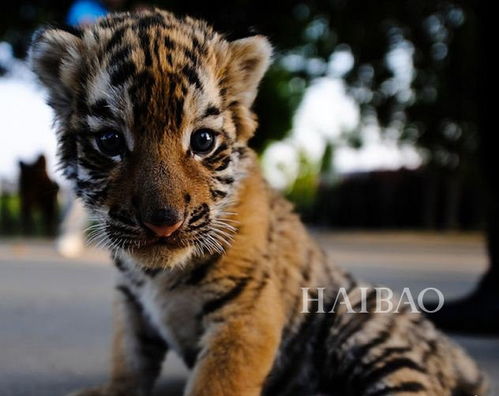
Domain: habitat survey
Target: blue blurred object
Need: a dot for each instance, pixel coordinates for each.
(84, 12)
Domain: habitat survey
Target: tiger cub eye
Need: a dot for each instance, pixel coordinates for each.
(202, 141)
(111, 143)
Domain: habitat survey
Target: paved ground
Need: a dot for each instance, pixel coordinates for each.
(55, 313)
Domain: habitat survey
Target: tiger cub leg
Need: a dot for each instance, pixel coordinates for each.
(231, 365)
(137, 351)
(238, 348)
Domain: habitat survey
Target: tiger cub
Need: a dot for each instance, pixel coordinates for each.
(154, 116)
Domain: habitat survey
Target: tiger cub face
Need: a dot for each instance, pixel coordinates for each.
(153, 116)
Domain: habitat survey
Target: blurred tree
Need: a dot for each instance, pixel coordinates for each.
(415, 70)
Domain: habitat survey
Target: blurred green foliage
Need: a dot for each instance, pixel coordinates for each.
(279, 95)
(10, 214)
(303, 190)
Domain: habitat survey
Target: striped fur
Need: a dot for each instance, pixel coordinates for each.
(224, 291)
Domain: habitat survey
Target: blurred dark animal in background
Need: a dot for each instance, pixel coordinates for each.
(37, 192)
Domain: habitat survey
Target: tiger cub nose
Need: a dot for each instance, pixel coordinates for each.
(163, 222)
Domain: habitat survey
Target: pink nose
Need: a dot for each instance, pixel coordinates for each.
(163, 230)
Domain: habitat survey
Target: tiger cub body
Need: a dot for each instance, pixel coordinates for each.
(154, 116)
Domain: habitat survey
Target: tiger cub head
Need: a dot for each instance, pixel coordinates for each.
(153, 116)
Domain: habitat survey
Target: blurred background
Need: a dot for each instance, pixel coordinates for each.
(372, 121)
(368, 116)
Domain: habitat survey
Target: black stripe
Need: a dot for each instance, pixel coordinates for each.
(120, 56)
(241, 151)
(112, 21)
(130, 275)
(152, 349)
(354, 325)
(219, 149)
(217, 303)
(387, 353)
(224, 165)
(157, 50)
(377, 375)
(359, 352)
(236, 119)
(192, 76)
(119, 265)
(198, 46)
(68, 155)
(169, 59)
(122, 73)
(91, 195)
(323, 354)
(96, 171)
(293, 352)
(223, 92)
(212, 111)
(88, 187)
(200, 212)
(140, 92)
(130, 296)
(201, 270)
(144, 43)
(149, 21)
(218, 194)
(177, 109)
(169, 43)
(213, 159)
(205, 223)
(114, 40)
(101, 109)
(191, 55)
(81, 97)
(261, 285)
(225, 180)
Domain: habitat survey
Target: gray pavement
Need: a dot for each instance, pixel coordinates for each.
(55, 314)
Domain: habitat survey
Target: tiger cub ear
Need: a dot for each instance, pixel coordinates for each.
(249, 59)
(55, 57)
